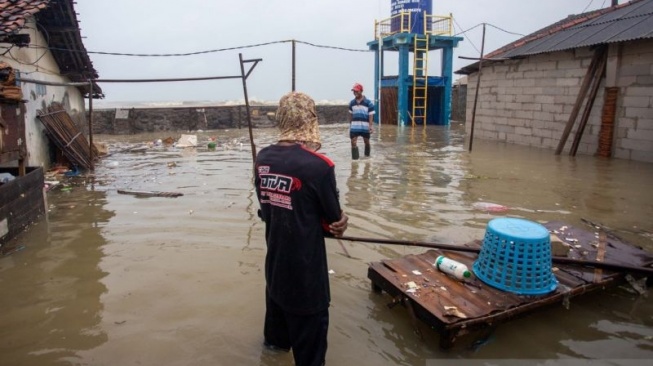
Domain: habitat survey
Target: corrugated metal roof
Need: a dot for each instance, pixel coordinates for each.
(622, 23)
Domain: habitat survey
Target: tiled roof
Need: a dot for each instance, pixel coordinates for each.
(59, 20)
(621, 23)
(14, 12)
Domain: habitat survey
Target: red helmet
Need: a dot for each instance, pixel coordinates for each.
(357, 87)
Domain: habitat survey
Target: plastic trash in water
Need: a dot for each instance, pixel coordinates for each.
(6, 177)
(489, 207)
(452, 267)
(72, 173)
(187, 141)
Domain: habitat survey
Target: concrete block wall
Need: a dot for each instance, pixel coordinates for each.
(529, 101)
(137, 120)
(634, 119)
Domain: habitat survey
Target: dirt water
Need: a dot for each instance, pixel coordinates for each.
(115, 279)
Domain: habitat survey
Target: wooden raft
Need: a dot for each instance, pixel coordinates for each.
(454, 308)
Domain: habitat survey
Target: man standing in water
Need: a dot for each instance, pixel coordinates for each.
(296, 188)
(361, 112)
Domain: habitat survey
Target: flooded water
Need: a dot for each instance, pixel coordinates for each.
(115, 279)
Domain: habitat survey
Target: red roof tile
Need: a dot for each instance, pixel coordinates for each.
(52, 16)
(15, 12)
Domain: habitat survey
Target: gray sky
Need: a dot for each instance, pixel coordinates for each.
(173, 26)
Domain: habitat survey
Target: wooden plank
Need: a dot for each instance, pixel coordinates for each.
(482, 306)
(597, 77)
(21, 202)
(584, 246)
(579, 99)
(150, 193)
(13, 131)
(598, 272)
(6, 157)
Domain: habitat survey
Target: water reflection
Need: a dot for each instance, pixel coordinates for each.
(51, 291)
(118, 279)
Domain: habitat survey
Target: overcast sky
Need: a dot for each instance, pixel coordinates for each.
(173, 26)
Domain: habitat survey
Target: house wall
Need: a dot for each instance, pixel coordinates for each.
(634, 119)
(36, 62)
(529, 101)
(458, 102)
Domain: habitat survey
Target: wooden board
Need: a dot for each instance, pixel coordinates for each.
(477, 305)
(21, 201)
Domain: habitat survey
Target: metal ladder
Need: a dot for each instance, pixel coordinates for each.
(420, 78)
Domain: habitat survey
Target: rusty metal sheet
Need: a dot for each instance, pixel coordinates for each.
(585, 245)
(13, 129)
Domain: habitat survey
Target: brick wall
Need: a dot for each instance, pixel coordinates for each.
(528, 101)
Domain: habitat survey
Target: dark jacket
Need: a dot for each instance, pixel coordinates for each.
(299, 199)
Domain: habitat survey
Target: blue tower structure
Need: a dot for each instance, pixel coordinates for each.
(417, 98)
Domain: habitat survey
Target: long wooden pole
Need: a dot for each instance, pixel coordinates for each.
(557, 260)
(412, 244)
(249, 118)
(90, 125)
(293, 65)
(478, 86)
(596, 82)
(579, 100)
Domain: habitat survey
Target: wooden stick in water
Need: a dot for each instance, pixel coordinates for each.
(557, 260)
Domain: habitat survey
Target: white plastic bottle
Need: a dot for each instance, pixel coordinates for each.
(452, 267)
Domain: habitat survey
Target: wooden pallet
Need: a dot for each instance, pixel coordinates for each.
(454, 308)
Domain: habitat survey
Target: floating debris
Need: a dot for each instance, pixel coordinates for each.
(150, 193)
(411, 285)
(489, 207)
(453, 311)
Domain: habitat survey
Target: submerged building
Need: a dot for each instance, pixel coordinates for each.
(415, 95)
(587, 78)
(42, 42)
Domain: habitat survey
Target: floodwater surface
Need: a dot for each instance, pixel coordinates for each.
(115, 279)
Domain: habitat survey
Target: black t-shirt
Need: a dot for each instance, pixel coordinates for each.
(299, 199)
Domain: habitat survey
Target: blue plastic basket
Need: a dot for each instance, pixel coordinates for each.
(516, 257)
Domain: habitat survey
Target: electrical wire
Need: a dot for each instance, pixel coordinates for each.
(333, 47)
(588, 5)
(35, 62)
(463, 32)
(8, 49)
(505, 31)
(199, 52)
(168, 54)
